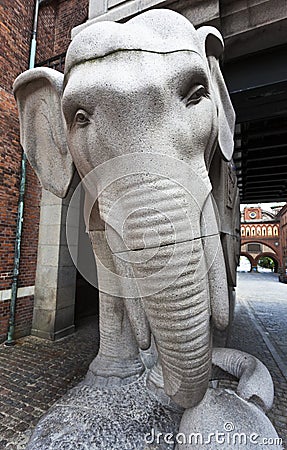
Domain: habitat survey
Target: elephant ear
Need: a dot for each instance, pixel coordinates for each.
(212, 45)
(42, 129)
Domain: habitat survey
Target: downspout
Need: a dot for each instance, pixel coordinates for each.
(19, 225)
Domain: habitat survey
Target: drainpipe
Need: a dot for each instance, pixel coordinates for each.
(17, 252)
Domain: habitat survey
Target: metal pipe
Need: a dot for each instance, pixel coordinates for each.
(17, 252)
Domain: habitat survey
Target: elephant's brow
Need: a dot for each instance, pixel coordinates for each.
(94, 58)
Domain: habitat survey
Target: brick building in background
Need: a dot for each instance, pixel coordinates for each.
(255, 46)
(282, 215)
(56, 20)
(261, 236)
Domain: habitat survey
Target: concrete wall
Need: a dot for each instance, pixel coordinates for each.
(247, 25)
(198, 12)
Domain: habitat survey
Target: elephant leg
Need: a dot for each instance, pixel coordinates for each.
(118, 357)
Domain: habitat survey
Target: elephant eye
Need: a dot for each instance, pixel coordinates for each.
(195, 94)
(81, 117)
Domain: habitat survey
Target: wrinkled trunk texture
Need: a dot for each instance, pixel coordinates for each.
(255, 381)
(159, 224)
(179, 318)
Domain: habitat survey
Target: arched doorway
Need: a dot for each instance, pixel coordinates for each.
(267, 262)
(257, 248)
(245, 263)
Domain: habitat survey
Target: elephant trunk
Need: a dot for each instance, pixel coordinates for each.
(168, 264)
(255, 382)
(179, 317)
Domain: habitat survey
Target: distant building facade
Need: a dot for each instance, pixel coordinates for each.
(264, 234)
(282, 215)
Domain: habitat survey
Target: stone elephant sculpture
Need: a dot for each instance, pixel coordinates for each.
(143, 107)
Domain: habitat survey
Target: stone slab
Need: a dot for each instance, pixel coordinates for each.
(111, 418)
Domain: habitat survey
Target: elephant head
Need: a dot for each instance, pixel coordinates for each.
(151, 91)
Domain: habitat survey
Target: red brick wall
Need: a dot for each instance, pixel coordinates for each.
(70, 14)
(16, 23)
(9, 167)
(4, 317)
(30, 231)
(24, 315)
(56, 19)
(46, 31)
(283, 237)
(16, 35)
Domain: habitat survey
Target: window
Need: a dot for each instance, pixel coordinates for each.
(263, 231)
(254, 248)
(258, 231)
(270, 231)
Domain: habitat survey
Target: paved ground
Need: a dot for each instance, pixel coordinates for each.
(260, 328)
(35, 373)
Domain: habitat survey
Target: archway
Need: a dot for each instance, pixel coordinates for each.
(262, 266)
(245, 263)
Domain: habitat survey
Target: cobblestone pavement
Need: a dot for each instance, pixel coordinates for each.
(260, 328)
(35, 373)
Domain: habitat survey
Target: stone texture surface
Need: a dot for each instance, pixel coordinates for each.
(255, 382)
(123, 416)
(111, 418)
(35, 373)
(224, 412)
(207, 11)
(54, 299)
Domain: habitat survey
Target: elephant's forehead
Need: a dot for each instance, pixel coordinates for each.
(130, 72)
(159, 31)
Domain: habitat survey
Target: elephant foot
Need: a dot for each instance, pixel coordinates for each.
(104, 371)
(222, 421)
(114, 417)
